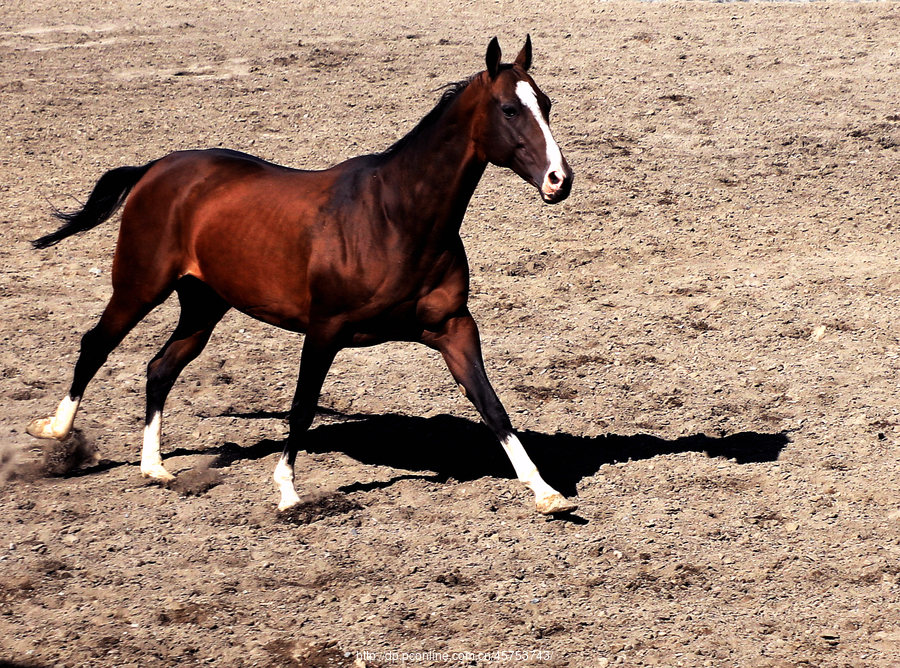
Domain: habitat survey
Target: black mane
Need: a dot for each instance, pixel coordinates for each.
(451, 90)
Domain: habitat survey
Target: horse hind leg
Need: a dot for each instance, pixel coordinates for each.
(119, 317)
(201, 311)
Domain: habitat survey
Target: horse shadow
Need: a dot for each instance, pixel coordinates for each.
(453, 447)
(444, 447)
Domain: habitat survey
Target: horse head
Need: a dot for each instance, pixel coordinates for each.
(514, 125)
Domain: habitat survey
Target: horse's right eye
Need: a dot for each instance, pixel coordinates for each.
(509, 110)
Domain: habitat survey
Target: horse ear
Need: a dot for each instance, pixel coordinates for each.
(524, 57)
(493, 58)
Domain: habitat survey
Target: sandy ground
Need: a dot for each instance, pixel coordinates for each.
(700, 345)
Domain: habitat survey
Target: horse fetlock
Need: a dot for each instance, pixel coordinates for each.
(553, 503)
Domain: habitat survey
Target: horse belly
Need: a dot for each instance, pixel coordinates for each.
(257, 261)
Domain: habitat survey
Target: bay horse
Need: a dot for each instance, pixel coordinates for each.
(362, 253)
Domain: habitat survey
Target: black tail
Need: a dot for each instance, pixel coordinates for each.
(108, 195)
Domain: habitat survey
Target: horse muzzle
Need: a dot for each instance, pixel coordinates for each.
(556, 186)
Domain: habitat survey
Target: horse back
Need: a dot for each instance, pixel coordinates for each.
(280, 244)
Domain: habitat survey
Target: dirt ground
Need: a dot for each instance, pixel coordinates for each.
(700, 345)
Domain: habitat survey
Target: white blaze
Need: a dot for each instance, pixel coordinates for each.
(529, 101)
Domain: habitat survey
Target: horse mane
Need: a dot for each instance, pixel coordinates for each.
(451, 91)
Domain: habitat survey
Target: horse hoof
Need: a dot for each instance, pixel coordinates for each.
(157, 473)
(555, 503)
(288, 503)
(43, 428)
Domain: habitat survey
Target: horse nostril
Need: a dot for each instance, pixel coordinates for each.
(553, 177)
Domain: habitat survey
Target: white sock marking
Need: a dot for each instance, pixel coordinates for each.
(152, 434)
(58, 425)
(284, 479)
(525, 469)
(65, 417)
(151, 460)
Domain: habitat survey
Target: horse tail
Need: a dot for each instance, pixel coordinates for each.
(108, 195)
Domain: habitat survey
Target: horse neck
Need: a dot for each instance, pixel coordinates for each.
(435, 174)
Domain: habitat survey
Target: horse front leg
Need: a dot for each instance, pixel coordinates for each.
(460, 346)
(315, 361)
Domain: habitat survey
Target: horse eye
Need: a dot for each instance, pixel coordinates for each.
(509, 110)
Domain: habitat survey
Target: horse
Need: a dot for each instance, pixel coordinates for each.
(365, 252)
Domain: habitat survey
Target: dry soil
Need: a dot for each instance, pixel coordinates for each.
(700, 345)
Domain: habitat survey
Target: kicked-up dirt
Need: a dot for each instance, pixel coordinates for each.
(700, 344)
